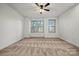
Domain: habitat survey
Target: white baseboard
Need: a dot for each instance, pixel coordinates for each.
(18, 39)
(71, 42)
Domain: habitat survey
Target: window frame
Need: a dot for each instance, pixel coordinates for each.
(54, 31)
(37, 26)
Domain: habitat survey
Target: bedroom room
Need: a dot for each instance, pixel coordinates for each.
(39, 29)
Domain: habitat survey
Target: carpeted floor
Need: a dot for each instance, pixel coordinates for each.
(40, 47)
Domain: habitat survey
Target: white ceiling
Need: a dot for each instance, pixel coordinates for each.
(32, 11)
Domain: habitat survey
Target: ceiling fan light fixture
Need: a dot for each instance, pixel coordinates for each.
(41, 11)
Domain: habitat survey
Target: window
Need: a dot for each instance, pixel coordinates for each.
(37, 26)
(51, 26)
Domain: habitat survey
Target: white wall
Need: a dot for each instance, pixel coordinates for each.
(27, 26)
(10, 26)
(69, 26)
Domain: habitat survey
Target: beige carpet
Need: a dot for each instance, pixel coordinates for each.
(40, 47)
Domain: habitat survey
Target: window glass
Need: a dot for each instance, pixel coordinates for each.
(37, 26)
(51, 26)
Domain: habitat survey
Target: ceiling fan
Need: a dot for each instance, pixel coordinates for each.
(42, 7)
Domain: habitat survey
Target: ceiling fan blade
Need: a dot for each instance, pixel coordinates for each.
(46, 9)
(47, 4)
(37, 4)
